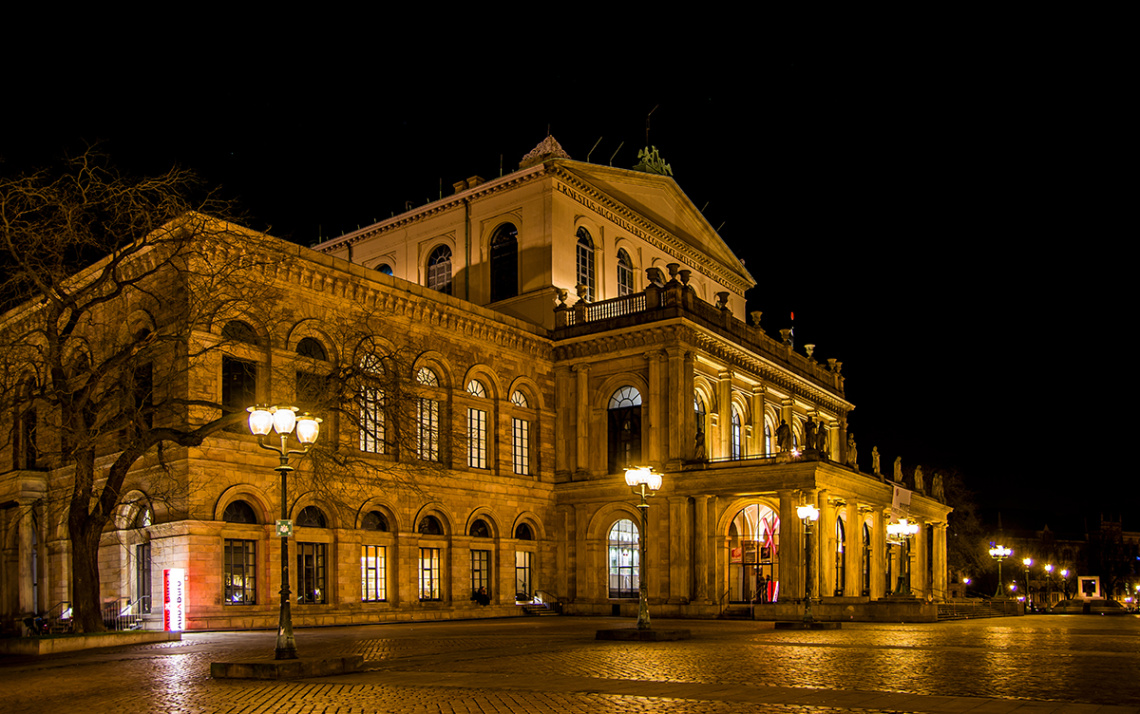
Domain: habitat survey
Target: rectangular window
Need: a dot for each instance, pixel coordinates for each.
(429, 573)
(477, 438)
(522, 575)
(481, 575)
(142, 577)
(372, 420)
(428, 419)
(239, 389)
(520, 445)
(239, 571)
(373, 582)
(311, 573)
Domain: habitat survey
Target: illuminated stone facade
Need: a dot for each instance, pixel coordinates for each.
(600, 315)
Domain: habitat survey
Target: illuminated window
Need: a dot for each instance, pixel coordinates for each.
(239, 572)
(699, 414)
(520, 446)
(624, 273)
(625, 555)
(504, 263)
(142, 576)
(370, 399)
(522, 575)
(439, 270)
(585, 263)
(519, 399)
(480, 575)
(840, 555)
(736, 440)
(429, 574)
(373, 578)
(427, 418)
(624, 416)
(476, 428)
(311, 570)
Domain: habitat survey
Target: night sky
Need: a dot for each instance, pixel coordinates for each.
(942, 220)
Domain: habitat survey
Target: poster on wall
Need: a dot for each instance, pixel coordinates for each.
(174, 599)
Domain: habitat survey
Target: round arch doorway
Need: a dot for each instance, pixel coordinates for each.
(754, 555)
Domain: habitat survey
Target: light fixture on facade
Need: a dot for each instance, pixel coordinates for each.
(645, 482)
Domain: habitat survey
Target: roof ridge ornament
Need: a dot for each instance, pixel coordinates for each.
(650, 162)
(548, 148)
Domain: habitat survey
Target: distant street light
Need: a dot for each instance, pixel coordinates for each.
(1049, 584)
(640, 478)
(283, 420)
(808, 514)
(999, 553)
(901, 532)
(1027, 562)
(1065, 582)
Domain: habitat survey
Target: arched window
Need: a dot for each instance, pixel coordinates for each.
(699, 414)
(866, 559)
(504, 262)
(524, 532)
(769, 446)
(312, 517)
(736, 440)
(624, 429)
(374, 521)
(476, 428)
(520, 435)
(384, 268)
(239, 331)
(239, 512)
(624, 560)
(370, 400)
(430, 525)
(840, 555)
(312, 348)
(439, 270)
(427, 418)
(754, 540)
(624, 273)
(479, 529)
(585, 263)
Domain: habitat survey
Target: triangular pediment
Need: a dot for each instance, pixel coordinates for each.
(661, 201)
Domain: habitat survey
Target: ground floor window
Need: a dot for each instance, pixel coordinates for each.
(429, 574)
(239, 571)
(624, 570)
(311, 573)
(142, 577)
(373, 566)
(481, 576)
(522, 575)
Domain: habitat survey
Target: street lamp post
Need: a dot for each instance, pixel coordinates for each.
(1027, 562)
(999, 553)
(640, 479)
(1065, 582)
(283, 420)
(1049, 584)
(808, 514)
(901, 532)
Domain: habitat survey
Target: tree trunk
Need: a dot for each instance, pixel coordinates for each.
(87, 613)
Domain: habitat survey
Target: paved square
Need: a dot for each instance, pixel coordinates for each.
(1065, 663)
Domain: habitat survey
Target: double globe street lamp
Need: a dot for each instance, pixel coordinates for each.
(645, 482)
(999, 553)
(284, 421)
(901, 532)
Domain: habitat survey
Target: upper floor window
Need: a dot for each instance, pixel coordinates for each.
(239, 331)
(736, 440)
(624, 431)
(313, 349)
(624, 273)
(479, 529)
(585, 263)
(504, 262)
(439, 270)
(476, 428)
(239, 388)
(430, 525)
(370, 399)
(427, 418)
(384, 268)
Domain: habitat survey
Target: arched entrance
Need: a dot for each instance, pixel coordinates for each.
(754, 547)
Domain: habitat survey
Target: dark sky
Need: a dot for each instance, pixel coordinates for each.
(941, 219)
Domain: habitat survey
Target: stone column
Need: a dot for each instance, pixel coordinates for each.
(758, 444)
(582, 420)
(878, 555)
(679, 536)
(853, 583)
(680, 422)
(825, 553)
(791, 549)
(919, 579)
(703, 543)
(24, 551)
(655, 403)
(724, 414)
(939, 552)
(565, 447)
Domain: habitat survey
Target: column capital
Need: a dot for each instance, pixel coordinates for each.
(581, 368)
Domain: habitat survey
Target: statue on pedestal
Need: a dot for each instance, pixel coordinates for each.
(875, 461)
(898, 469)
(699, 448)
(783, 436)
(809, 434)
(919, 482)
(852, 452)
(936, 489)
(821, 438)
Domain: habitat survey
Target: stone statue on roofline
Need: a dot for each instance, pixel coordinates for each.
(936, 489)
(919, 482)
(783, 436)
(898, 469)
(875, 466)
(821, 438)
(809, 434)
(852, 452)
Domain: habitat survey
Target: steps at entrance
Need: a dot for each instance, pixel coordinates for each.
(538, 610)
(736, 612)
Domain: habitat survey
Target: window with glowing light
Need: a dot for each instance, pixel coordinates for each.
(370, 401)
(311, 573)
(429, 574)
(736, 439)
(840, 555)
(476, 428)
(373, 577)
(624, 559)
(522, 575)
(239, 572)
(624, 273)
(439, 270)
(585, 263)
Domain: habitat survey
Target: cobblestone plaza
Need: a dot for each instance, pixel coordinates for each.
(1029, 664)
